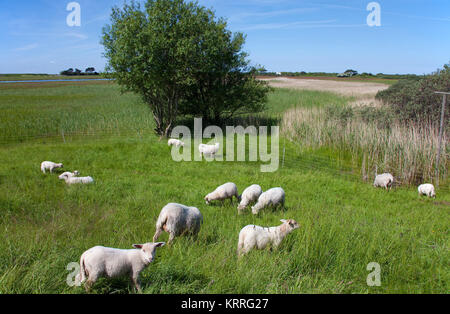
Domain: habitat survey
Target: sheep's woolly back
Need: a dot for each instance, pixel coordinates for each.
(227, 190)
(253, 236)
(250, 195)
(208, 149)
(384, 180)
(272, 197)
(427, 189)
(178, 218)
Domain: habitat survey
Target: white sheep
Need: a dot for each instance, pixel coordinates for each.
(384, 180)
(178, 219)
(49, 165)
(227, 190)
(71, 178)
(252, 236)
(68, 173)
(175, 142)
(250, 195)
(108, 262)
(271, 198)
(208, 149)
(426, 189)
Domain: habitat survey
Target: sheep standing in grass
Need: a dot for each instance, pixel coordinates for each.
(227, 190)
(384, 180)
(71, 178)
(252, 236)
(426, 189)
(49, 165)
(271, 198)
(102, 261)
(208, 149)
(177, 219)
(175, 142)
(250, 195)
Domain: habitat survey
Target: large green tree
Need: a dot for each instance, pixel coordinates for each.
(182, 60)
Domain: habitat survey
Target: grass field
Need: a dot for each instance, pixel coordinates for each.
(26, 77)
(345, 223)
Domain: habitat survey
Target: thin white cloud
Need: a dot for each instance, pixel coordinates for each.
(77, 35)
(246, 15)
(298, 24)
(27, 47)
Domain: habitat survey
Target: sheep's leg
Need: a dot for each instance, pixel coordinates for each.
(137, 282)
(88, 285)
(157, 234)
(171, 237)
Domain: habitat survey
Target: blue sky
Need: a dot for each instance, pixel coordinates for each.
(282, 35)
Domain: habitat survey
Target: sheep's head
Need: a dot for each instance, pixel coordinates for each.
(240, 207)
(60, 165)
(148, 250)
(290, 224)
(63, 176)
(76, 172)
(254, 210)
(207, 199)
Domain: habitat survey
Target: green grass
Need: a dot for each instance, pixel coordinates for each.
(26, 77)
(345, 224)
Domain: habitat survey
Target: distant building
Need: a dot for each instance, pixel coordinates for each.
(278, 73)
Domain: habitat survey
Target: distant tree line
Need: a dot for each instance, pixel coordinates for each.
(348, 73)
(71, 71)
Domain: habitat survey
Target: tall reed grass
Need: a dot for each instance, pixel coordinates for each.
(407, 151)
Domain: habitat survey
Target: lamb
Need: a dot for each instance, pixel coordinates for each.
(175, 142)
(227, 190)
(177, 219)
(49, 165)
(252, 236)
(107, 262)
(208, 149)
(384, 180)
(67, 173)
(426, 189)
(71, 178)
(250, 195)
(274, 197)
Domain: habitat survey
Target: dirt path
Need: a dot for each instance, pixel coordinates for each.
(360, 90)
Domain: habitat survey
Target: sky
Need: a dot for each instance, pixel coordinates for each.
(281, 35)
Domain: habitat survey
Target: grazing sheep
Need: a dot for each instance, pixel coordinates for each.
(208, 149)
(250, 195)
(273, 197)
(49, 165)
(177, 219)
(102, 261)
(70, 174)
(175, 142)
(384, 180)
(426, 189)
(71, 178)
(252, 236)
(227, 190)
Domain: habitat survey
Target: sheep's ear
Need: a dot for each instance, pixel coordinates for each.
(283, 220)
(159, 244)
(137, 246)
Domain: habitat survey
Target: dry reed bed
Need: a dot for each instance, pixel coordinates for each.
(407, 151)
